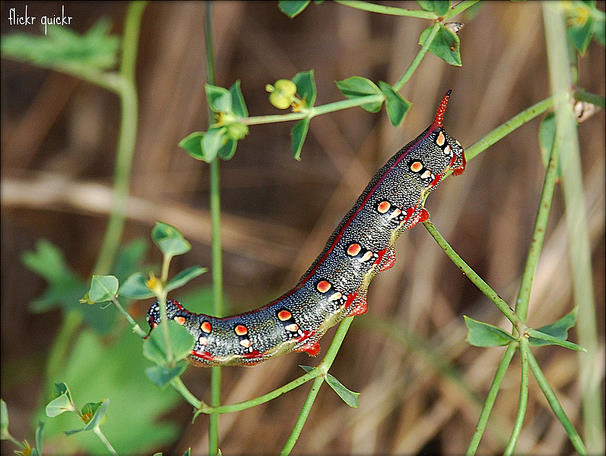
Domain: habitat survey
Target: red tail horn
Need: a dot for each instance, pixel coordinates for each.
(438, 121)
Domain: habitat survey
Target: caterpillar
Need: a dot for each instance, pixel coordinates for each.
(335, 285)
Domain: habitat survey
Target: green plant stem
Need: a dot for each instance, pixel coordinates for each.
(579, 250)
(459, 8)
(517, 426)
(508, 127)
(597, 100)
(574, 437)
(490, 399)
(298, 427)
(126, 140)
(103, 439)
(473, 276)
(417, 60)
(217, 266)
(164, 327)
(178, 385)
(538, 235)
(389, 10)
(134, 325)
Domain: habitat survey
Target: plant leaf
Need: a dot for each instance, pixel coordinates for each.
(351, 398)
(98, 416)
(184, 276)
(292, 7)
(161, 375)
(298, 134)
(558, 329)
(103, 288)
(192, 144)
(550, 340)
(396, 106)
(356, 87)
(446, 45)
(440, 7)
(59, 405)
(482, 334)
(227, 150)
(237, 100)
(3, 420)
(135, 288)
(546, 138)
(306, 86)
(62, 47)
(181, 343)
(169, 240)
(38, 436)
(219, 98)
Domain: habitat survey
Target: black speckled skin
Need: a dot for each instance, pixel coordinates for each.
(335, 284)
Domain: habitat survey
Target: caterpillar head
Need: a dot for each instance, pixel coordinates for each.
(173, 310)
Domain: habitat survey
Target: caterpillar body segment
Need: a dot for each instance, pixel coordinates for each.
(335, 285)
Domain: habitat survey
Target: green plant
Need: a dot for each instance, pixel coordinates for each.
(230, 123)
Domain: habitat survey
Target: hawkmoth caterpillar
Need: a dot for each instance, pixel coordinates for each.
(335, 285)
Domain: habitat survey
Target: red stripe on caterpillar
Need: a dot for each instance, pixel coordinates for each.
(335, 285)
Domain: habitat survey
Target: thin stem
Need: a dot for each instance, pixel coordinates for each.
(538, 235)
(126, 140)
(517, 426)
(164, 327)
(103, 439)
(417, 60)
(298, 427)
(508, 127)
(579, 250)
(134, 325)
(180, 387)
(472, 275)
(574, 437)
(592, 98)
(460, 8)
(490, 399)
(217, 266)
(389, 10)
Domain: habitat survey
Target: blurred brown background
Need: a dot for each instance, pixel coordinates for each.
(58, 147)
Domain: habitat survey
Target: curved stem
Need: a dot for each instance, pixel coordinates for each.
(389, 10)
(517, 427)
(103, 439)
(490, 399)
(417, 60)
(472, 275)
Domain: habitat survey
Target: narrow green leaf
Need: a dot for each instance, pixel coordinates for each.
(192, 144)
(298, 134)
(292, 7)
(103, 288)
(188, 452)
(3, 420)
(237, 100)
(581, 29)
(396, 106)
(184, 276)
(599, 31)
(558, 329)
(306, 368)
(219, 98)
(446, 45)
(38, 436)
(550, 340)
(306, 86)
(440, 7)
(482, 334)
(356, 87)
(134, 287)
(170, 241)
(426, 5)
(351, 398)
(161, 375)
(61, 389)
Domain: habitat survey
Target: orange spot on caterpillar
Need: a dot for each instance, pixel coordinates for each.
(284, 315)
(416, 166)
(241, 330)
(323, 286)
(383, 207)
(441, 139)
(206, 327)
(180, 320)
(354, 249)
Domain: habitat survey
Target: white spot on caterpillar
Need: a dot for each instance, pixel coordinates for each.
(246, 343)
(426, 174)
